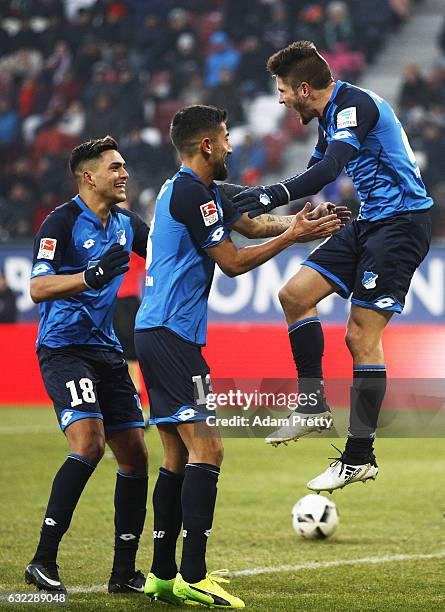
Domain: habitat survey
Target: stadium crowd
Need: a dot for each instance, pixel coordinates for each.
(77, 69)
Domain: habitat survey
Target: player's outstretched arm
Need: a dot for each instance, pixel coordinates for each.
(269, 226)
(59, 286)
(233, 261)
(259, 200)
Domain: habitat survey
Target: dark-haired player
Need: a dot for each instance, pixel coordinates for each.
(189, 233)
(80, 254)
(373, 259)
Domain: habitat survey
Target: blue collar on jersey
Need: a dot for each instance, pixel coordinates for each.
(90, 213)
(188, 170)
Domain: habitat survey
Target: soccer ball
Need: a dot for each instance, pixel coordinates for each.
(315, 517)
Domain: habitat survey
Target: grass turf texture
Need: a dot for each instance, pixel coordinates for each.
(400, 513)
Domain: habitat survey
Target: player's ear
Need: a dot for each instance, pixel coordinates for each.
(88, 178)
(206, 145)
(305, 89)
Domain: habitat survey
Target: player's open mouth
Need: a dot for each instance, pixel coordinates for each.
(120, 185)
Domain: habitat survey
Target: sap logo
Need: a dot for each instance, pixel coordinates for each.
(88, 243)
(126, 537)
(50, 521)
(41, 269)
(369, 280)
(385, 302)
(187, 414)
(121, 238)
(66, 417)
(347, 117)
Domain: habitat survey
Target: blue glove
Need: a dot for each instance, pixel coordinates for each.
(112, 263)
(259, 200)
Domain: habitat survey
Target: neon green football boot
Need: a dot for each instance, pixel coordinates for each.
(206, 592)
(161, 590)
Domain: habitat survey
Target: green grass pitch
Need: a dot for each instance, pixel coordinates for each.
(398, 517)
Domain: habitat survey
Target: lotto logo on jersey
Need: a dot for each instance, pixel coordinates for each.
(347, 117)
(47, 248)
(209, 213)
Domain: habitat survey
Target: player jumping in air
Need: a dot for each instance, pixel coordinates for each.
(80, 255)
(190, 232)
(373, 259)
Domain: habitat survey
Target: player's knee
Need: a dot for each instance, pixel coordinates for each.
(290, 300)
(360, 343)
(91, 448)
(139, 458)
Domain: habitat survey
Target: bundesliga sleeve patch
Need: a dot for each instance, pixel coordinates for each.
(209, 213)
(47, 248)
(347, 117)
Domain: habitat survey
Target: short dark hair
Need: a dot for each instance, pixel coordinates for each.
(191, 122)
(91, 149)
(298, 62)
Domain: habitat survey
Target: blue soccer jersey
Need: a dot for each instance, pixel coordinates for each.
(384, 169)
(71, 239)
(189, 218)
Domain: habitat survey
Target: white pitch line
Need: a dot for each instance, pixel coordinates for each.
(99, 588)
(327, 564)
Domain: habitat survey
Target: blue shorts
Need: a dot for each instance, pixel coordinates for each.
(85, 382)
(176, 376)
(375, 260)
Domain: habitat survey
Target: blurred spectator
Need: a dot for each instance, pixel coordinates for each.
(222, 57)
(414, 90)
(251, 74)
(225, 95)
(8, 308)
(338, 28)
(9, 124)
(247, 161)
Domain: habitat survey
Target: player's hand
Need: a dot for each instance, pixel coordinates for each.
(304, 229)
(259, 200)
(111, 264)
(327, 208)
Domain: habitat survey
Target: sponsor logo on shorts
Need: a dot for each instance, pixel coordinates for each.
(369, 280)
(209, 213)
(385, 302)
(47, 248)
(187, 414)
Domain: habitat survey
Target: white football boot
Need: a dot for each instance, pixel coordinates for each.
(299, 425)
(339, 474)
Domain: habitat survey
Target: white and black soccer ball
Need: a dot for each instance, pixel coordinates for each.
(315, 517)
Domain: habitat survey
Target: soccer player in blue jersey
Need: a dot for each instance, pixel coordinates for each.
(80, 255)
(373, 259)
(189, 233)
